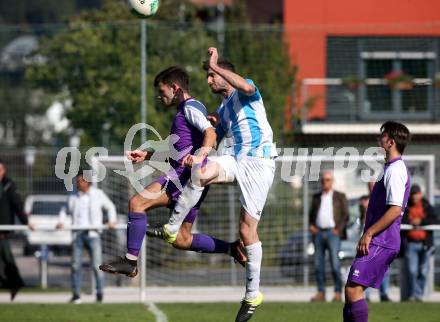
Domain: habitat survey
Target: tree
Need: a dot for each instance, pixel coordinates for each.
(96, 62)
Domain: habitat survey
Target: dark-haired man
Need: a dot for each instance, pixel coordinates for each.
(380, 242)
(11, 205)
(196, 137)
(242, 118)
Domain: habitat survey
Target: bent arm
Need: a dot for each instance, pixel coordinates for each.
(385, 221)
(209, 142)
(235, 80)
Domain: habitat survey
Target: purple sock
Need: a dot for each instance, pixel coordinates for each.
(208, 244)
(356, 311)
(136, 229)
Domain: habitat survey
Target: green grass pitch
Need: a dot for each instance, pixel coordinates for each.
(221, 312)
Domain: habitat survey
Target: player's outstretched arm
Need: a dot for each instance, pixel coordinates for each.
(236, 81)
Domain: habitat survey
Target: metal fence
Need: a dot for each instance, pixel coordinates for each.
(287, 255)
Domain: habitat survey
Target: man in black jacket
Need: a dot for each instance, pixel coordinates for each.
(417, 244)
(11, 205)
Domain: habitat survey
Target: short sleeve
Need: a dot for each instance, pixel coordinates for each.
(395, 181)
(196, 115)
(255, 97)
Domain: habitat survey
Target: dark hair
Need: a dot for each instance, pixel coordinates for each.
(223, 63)
(81, 174)
(415, 188)
(398, 132)
(2, 162)
(173, 74)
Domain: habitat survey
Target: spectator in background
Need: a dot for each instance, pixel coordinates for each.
(417, 244)
(86, 208)
(384, 286)
(11, 205)
(328, 218)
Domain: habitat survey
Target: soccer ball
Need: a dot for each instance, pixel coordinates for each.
(143, 8)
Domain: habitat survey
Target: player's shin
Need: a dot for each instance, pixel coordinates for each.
(136, 228)
(187, 200)
(207, 244)
(253, 266)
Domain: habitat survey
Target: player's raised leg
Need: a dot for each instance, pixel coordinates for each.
(201, 176)
(180, 235)
(192, 195)
(142, 202)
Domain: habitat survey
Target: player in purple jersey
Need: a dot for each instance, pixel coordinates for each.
(380, 242)
(195, 138)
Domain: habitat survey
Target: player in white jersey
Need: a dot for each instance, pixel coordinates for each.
(242, 118)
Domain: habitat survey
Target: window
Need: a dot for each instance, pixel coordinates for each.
(379, 97)
(407, 99)
(415, 100)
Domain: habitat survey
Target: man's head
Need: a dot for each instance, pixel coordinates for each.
(217, 83)
(394, 136)
(415, 193)
(169, 83)
(2, 169)
(327, 181)
(81, 182)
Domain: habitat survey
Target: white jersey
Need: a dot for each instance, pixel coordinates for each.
(243, 119)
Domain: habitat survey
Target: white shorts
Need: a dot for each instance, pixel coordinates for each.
(254, 176)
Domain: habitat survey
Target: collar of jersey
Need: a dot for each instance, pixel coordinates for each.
(393, 160)
(182, 104)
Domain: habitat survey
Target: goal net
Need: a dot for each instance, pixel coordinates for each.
(283, 229)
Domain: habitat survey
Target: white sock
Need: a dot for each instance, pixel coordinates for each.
(131, 257)
(190, 196)
(253, 266)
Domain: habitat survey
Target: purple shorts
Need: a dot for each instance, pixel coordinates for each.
(173, 191)
(369, 270)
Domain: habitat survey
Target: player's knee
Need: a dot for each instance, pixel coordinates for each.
(200, 177)
(352, 293)
(183, 240)
(138, 204)
(204, 182)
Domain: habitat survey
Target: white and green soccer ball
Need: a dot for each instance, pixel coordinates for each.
(143, 8)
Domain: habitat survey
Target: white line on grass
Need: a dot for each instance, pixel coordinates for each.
(159, 314)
